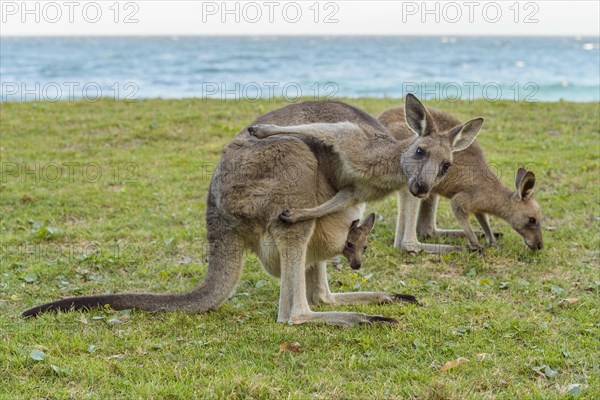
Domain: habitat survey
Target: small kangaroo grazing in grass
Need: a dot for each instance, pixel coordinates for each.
(473, 188)
(256, 179)
(374, 164)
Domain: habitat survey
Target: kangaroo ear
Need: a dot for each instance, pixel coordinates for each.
(520, 175)
(417, 116)
(525, 184)
(354, 224)
(369, 222)
(463, 135)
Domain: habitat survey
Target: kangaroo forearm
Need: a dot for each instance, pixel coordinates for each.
(339, 202)
(326, 132)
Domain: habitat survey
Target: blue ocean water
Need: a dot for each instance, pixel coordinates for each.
(514, 68)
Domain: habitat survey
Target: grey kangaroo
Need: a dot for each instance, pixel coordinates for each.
(373, 164)
(256, 179)
(473, 188)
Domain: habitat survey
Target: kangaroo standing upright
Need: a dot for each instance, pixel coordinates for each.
(256, 179)
(373, 165)
(474, 188)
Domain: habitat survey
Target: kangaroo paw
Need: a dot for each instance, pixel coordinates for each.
(256, 131)
(288, 216)
(259, 131)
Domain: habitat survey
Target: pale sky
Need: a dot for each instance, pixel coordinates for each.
(162, 17)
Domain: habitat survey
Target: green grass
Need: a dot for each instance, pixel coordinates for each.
(140, 227)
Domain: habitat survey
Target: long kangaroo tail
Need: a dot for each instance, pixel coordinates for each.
(226, 254)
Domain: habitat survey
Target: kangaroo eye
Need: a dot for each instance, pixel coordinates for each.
(532, 221)
(420, 151)
(445, 167)
(349, 245)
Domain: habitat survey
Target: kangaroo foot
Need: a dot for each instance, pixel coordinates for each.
(398, 297)
(378, 319)
(476, 248)
(415, 247)
(497, 235)
(346, 319)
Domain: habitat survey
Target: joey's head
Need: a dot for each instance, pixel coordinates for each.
(429, 157)
(356, 242)
(526, 214)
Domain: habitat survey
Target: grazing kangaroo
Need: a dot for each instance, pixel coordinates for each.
(253, 181)
(473, 188)
(373, 164)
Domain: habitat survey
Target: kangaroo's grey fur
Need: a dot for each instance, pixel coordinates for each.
(473, 188)
(373, 164)
(252, 183)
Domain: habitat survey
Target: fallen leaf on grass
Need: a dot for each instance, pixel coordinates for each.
(454, 363)
(574, 389)
(30, 278)
(294, 347)
(571, 300)
(45, 232)
(25, 199)
(483, 356)
(556, 290)
(37, 355)
(115, 356)
(545, 371)
(549, 372)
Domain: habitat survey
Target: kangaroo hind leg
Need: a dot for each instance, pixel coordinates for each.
(292, 244)
(318, 292)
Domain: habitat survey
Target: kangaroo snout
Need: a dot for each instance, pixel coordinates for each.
(535, 245)
(419, 189)
(355, 265)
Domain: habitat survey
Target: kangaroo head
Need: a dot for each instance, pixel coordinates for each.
(356, 242)
(526, 217)
(427, 160)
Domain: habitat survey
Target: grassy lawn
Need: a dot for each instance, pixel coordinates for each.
(110, 197)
